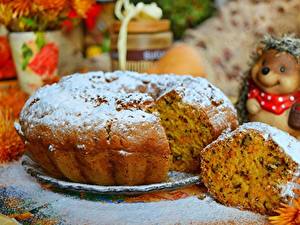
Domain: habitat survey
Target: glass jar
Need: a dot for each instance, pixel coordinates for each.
(147, 42)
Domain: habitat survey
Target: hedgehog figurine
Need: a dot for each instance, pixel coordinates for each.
(271, 91)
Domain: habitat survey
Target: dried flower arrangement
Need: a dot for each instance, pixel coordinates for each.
(41, 15)
(12, 98)
(11, 103)
(11, 146)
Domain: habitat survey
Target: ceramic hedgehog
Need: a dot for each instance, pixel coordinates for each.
(271, 92)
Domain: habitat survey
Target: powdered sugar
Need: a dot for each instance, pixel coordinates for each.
(51, 148)
(287, 190)
(88, 101)
(73, 210)
(289, 144)
(83, 108)
(18, 129)
(124, 153)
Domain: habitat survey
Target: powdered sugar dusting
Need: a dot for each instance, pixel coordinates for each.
(184, 211)
(289, 144)
(124, 153)
(288, 189)
(76, 211)
(58, 106)
(88, 101)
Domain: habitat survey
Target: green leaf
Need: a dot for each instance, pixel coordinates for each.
(29, 22)
(26, 54)
(40, 40)
(106, 45)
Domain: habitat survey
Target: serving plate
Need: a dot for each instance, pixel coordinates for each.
(175, 180)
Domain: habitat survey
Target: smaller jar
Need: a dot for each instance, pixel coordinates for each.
(147, 42)
(294, 116)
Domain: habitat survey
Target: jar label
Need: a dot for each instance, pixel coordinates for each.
(137, 55)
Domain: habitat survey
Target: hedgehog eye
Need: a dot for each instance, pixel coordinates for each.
(282, 69)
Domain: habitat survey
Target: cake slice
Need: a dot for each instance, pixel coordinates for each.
(193, 118)
(254, 167)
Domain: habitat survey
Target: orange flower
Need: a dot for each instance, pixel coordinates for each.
(21, 7)
(51, 5)
(288, 215)
(11, 145)
(81, 6)
(11, 103)
(12, 98)
(32, 15)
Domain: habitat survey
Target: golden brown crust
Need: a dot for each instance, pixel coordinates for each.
(94, 128)
(111, 159)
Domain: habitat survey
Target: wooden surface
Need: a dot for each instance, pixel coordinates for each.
(20, 193)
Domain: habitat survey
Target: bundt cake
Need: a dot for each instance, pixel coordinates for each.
(123, 128)
(255, 167)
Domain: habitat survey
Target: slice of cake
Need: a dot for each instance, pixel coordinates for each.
(192, 119)
(254, 167)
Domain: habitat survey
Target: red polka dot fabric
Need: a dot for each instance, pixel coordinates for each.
(276, 104)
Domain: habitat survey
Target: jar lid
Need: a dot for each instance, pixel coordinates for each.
(149, 26)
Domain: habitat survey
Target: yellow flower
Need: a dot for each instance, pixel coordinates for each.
(57, 5)
(288, 214)
(81, 6)
(6, 14)
(93, 51)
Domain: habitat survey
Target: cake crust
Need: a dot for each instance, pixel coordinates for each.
(95, 128)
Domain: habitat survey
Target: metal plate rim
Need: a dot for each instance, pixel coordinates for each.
(35, 171)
